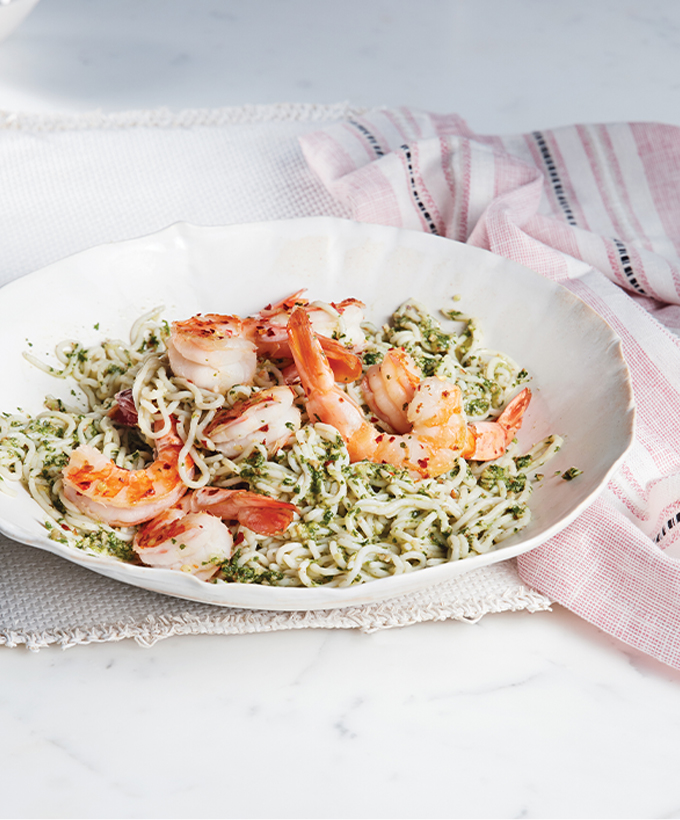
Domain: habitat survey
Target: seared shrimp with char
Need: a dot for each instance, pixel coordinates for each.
(212, 351)
(98, 487)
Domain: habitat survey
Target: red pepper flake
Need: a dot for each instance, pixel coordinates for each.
(65, 527)
(264, 428)
(422, 462)
(239, 538)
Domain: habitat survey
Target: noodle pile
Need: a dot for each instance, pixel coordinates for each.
(356, 522)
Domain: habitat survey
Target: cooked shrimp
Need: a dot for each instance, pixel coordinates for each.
(268, 417)
(492, 437)
(196, 542)
(217, 352)
(339, 321)
(439, 432)
(96, 486)
(259, 513)
(212, 351)
(389, 387)
(337, 325)
(192, 536)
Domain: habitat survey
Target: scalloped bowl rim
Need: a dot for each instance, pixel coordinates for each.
(186, 262)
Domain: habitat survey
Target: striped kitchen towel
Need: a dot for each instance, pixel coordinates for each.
(596, 208)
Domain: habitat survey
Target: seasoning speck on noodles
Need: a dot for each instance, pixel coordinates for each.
(288, 444)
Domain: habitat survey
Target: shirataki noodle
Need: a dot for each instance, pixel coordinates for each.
(356, 522)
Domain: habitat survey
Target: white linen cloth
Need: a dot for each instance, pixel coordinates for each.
(71, 182)
(596, 208)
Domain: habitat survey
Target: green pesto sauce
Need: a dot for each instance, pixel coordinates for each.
(107, 543)
(494, 474)
(231, 571)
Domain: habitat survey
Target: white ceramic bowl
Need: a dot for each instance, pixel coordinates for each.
(12, 14)
(580, 381)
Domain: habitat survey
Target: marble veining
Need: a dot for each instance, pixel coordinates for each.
(500, 718)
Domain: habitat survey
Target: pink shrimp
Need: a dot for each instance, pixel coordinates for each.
(212, 351)
(196, 543)
(337, 325)
(217, 351)
(260, 513)
(390, 386)
(492, 437)
(192, 536)
(96, 486)
(439, 433)
(331, 322)
(268, 417)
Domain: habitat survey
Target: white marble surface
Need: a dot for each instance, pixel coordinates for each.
(517, 716)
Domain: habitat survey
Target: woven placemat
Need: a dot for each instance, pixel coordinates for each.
(45, 600)
(71, 182)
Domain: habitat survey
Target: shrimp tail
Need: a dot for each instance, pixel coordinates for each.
(511, 417)
(267, 329)
(260, 513)
(345, 364)
(310, 359)
(326, 402)
(490, 439)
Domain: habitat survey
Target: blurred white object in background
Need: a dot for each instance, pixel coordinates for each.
(12, 13)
